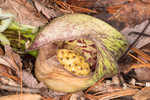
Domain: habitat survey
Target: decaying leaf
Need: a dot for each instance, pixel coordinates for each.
(22, 97)
(77, 95)
(68, 8)
(82, 3)
(27, 77)
(24, 15)
(138, 28)
(146, 48)
(113, 95)
(111, 3)
(104, 87)
(132, 13)
(6, 76)
(142, 67)
(12, 62)
(47, 12)
(12, 58)
(142, 74)
(144, 94)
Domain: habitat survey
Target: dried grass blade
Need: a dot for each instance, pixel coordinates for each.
(141, 53)
(141, 61)
(140, 66)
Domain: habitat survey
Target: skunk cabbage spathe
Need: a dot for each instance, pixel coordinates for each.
(104, 45)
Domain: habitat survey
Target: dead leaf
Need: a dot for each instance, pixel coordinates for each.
(11, 62)
(2, 1)
(13, 59)
(23, 15)
(6, 76)
(82, 3)
(66, 97)
(142, 70)
(1, 51)
(142, 74)
(111, 3)
(22, 97)
(77, 95)
(113, 95)
(68, 8)
(138, 28)
(132, 13)
(3, 69)
(27, 77)
(105, 87)
(145, 1)
(47, 12)
(146, 48)
(144, 94)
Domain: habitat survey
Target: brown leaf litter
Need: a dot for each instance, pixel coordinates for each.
(131, 12)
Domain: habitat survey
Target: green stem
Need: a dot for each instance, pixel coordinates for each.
(14, 34)
(24, 29)
(4, 40)
(20, 36)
